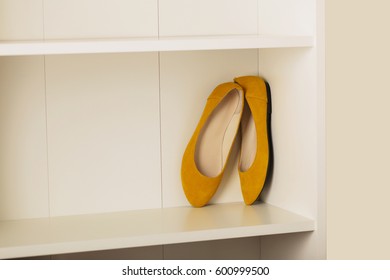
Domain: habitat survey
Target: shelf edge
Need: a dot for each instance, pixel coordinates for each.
(58, 47)
(73, 234)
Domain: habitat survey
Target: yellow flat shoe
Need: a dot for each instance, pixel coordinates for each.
(208, 150)
(256, 144)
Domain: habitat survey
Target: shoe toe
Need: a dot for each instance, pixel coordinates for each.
(198, 188)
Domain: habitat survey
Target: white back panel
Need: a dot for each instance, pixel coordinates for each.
(100, 18)
(21, 19)
(103, 131)
(205, 17)
(287, 17)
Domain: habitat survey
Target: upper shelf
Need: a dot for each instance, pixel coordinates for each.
(49, 236)
(52, 47)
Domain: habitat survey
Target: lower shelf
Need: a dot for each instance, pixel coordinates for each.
(70, 234)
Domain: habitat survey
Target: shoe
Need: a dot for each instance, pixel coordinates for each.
(208, 150)
(256, 144)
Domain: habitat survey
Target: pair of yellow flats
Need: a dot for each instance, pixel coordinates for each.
(244, 103)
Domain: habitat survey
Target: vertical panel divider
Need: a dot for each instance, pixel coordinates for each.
(47, 137)
(43, 20)
(321, 131)
(160, 127)
(258, 33)
(258, 17)
(159, 105)
(259, 74)
(158, 18)
(46, 113)
(160, 119)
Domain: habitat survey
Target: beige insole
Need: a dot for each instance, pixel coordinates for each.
(248, 139)
(218, 133)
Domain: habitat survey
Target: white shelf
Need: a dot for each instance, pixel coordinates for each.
(46, 236)
(50, 47)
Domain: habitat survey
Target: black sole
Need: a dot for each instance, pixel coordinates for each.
(270, 145)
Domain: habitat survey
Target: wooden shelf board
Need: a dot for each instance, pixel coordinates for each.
(70, 234)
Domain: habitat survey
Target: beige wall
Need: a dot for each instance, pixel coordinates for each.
(358, 128)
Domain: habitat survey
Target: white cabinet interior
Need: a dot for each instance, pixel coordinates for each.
(97, 105)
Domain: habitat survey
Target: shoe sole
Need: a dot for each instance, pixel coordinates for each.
(269, 135)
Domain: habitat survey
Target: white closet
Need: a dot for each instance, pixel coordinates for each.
(98, 100)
